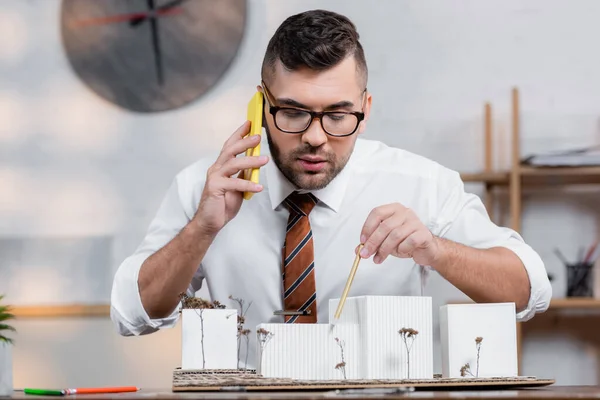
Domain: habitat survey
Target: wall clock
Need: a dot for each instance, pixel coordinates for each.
(151, 55)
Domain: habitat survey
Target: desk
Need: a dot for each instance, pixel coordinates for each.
(549, 392)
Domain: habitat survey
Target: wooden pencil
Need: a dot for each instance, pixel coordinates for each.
(340, 306)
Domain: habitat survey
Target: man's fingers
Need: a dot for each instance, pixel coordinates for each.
(239, 133)
(241, 185)
(415, 241)
(235, 165)
(376, 216)
(393, 240)
(382, 231)
(232, 147)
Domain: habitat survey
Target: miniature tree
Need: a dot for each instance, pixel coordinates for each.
(342, 364)
(408, 335)
(478, 341)
(5, 315)
(466, 369)
(199, 305)
(241, 331)
(264, 336)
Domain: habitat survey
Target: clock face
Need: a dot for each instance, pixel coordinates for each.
(151, 55)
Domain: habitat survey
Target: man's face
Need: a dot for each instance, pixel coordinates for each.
(310, 160)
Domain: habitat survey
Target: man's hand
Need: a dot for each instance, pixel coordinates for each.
(395, 230)
(222, 196)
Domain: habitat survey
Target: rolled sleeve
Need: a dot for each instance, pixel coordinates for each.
(462, 217)
(127, 311)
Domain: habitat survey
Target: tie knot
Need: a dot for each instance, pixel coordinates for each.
(300, 203)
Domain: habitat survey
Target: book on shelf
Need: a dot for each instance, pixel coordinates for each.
(588, 156)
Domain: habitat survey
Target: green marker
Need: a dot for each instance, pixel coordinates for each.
(45, 392)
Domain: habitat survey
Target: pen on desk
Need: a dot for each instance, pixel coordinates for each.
(119, 389)
(44, 392)
(591, 253)
(63, 392)
(560, 255)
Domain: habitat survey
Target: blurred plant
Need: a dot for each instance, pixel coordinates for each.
(5, 316)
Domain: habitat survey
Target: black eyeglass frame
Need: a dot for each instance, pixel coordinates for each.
(360, 116)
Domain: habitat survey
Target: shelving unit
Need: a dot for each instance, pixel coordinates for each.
(520, 177)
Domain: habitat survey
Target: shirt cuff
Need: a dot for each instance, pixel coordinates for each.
(541, 290)
(127, 311)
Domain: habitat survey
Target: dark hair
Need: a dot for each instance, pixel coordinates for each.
(316, 39)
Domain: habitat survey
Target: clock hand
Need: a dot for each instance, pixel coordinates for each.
(129, 17)
(164, 8)
(156, 45)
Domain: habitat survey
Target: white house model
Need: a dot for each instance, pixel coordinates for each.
(376, 337)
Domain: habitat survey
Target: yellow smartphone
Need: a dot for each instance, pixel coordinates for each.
(255, 113)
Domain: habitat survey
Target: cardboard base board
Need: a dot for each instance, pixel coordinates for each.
(235, 380)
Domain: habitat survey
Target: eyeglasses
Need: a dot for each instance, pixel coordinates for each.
(295, 120)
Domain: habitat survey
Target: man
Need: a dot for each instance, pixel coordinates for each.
(323, 193)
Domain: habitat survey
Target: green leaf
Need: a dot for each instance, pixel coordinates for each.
(4, 327)
(5, 315)
(5, 339)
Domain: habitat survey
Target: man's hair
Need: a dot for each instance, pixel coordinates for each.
(316, 39)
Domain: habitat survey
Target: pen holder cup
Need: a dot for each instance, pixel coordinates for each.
(6, 369)
(580, 280)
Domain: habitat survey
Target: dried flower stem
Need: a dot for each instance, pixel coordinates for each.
(466, 369)
(342, 365)
(264, 336)
(199, 305)
(241, 330)
(478, 341)
(408, 334)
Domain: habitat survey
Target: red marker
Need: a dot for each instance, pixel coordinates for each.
(121, 389)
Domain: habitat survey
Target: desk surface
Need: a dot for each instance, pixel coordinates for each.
(549, 392)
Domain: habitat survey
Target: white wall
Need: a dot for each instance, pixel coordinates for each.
(75, 166)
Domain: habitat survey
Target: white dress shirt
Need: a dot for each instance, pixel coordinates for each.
(245, 258)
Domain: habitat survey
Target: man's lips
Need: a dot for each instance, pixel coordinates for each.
(312, 159)
(312, 163)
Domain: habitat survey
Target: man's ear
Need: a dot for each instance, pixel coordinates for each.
(368, 102)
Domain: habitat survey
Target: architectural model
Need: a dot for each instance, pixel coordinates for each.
(478, 340)
(376, 337)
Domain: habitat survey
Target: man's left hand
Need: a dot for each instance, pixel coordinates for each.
(395, 230)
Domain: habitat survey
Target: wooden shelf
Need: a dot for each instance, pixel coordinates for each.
(539, 176)
(59, 311)
(487, 177)
(560, 175)
(574, 302)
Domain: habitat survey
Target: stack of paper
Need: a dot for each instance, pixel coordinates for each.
(571, 158)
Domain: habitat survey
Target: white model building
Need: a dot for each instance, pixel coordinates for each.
(376, 337)
(479, 340)
(369, 330)
(209, 338)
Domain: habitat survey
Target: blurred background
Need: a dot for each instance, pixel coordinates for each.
(88, 147)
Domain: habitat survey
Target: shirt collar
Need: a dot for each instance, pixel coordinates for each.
(279, 187)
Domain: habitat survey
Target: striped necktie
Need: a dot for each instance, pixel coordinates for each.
(298, 260)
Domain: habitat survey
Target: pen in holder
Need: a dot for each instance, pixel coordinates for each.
(580, 279)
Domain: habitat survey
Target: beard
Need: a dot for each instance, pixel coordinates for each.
(302, 179)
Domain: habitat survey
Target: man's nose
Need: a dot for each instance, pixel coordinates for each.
(315, 135)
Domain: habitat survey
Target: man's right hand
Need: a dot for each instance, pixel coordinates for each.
(223, 191)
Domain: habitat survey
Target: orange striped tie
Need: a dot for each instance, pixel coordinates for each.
(298, 260)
